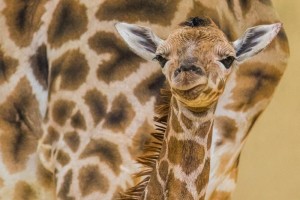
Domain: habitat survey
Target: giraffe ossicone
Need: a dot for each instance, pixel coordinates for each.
(196, 60)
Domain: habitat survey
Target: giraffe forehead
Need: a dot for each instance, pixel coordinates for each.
(196, 41)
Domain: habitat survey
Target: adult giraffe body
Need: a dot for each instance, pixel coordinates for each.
(69, 82)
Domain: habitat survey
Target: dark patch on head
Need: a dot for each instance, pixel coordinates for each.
(97, 104)
(163, 170)
(20, 124)
(24, 191)
(255, 82)
(91, 180)
(204, 11)
(8, 67)
(188, 154)
(245, 6)
(52, 136)
(203, 178)
(155, 187)
(39, 65)
(121, 115)
(197, 22)
(106, 151)
(141, 139)
(62, 157)
(78, 121)
(266, 2)
(186, 121)
(149, 87)
(227, 128)
(23, 19)
(69, 22)
(177, 189)
(62, 111)
(122, 61)
(44, 177)
(156, 11)
(66, 186)
(175, 123)
(73, 69)
(72, 139)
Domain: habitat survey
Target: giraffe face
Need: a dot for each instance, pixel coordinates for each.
(197, 58)
(196, 63)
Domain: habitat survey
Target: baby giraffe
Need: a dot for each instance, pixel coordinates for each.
(196, 60)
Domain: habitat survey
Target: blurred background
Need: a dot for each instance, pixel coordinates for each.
(270, 162)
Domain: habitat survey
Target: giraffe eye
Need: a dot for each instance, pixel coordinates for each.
(162, 61)
(227, 62)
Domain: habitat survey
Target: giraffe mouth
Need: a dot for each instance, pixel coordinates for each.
(191, 93)
(188, 81)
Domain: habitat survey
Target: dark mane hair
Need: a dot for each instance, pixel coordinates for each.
(151, 151)
(197, 22)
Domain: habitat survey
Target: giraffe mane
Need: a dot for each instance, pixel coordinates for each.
(151, 151)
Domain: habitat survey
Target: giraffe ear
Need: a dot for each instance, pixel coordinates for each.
(254, 40)
(141, 40)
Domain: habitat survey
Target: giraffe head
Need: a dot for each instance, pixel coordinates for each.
(197, 58)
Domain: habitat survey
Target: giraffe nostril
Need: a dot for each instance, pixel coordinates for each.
(186, 68)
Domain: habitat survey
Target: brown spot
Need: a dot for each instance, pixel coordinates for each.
(156, 11)
(72, 139)
(62, 110)
(106, 152)
(78, 121)
(91, 180)
(255, 82)
(62, 157)
(69, 22)
(203, 178)
(23, 191)
(73, 69)
(45, 177)
(97, 104)
(149, 87)
(141, 139)
(52, 136)
(245, 6)
(221, 195)
(39, 65)
(224, 160)
(177, 189)
(209, 140)
(65, 187)
(202, 131)
(188, 154)
(23, 19)
(121, 115)
(175, 124)
(20, 124)
(155, 188)
(122, 61)
(226, 127)
(8, 67)
(163, 170)
(186, 121)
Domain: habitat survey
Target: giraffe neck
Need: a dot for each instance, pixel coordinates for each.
(182, 170)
